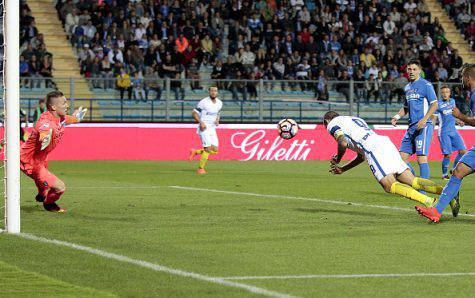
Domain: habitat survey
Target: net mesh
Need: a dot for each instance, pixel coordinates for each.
(2, 116)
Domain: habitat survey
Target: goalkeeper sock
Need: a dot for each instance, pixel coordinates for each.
(53, 196)
(449, 192)
(410, 193)
(203, 159)
(457, 158)
(445, 165)
(427, 185)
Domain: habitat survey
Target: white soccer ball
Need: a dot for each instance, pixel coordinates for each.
(287, 128)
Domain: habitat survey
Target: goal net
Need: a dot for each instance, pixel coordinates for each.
(9, 70)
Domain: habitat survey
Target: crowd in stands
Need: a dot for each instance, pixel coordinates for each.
(462, 12)
(142, 41)
(36, 69)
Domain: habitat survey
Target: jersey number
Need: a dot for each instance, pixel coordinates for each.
(360, 123)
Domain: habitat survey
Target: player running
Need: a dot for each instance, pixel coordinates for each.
(206, 114)
(420, 104)
(449, 138)
(46, 135)
(382, 156)
(464, 167)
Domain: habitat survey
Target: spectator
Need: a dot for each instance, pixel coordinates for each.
(176, 87)
(123, 83)
(238, 85)
(137, 84)
(152, 82)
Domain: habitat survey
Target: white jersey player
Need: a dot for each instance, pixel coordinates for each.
(206, 114)
(382, 156)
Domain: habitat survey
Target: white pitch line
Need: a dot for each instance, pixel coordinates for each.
(156, 267)
(341, 276)
(303, 199)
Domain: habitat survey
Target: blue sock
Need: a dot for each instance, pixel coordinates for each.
(424, 170)
(445, 165)
(448, 193)
(457, 158)
(411, 168)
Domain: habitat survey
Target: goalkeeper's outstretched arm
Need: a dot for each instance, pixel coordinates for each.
(76, 117)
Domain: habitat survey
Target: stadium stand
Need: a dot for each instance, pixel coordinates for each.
(368, 42)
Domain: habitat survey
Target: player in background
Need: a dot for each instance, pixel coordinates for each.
(466, 164)
(449, 138)
(382, 156)
(206, 114)
(420, 104)
(46, 135)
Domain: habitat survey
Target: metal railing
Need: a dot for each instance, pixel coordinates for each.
(171, 100)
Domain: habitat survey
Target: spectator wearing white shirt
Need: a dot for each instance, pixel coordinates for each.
(389, 26)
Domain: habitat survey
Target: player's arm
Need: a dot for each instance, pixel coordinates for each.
(434, 105)
(466, 119)
(218, 118)
(45, 137)
(401, 113)
(337, 170)
(76, 117)
(196, 116)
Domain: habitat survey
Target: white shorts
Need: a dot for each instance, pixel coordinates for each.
(383, 157)
(209, 137)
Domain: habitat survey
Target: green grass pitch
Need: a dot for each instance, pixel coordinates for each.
(129, 209)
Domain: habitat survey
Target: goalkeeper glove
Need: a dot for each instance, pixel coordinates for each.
(80, 113)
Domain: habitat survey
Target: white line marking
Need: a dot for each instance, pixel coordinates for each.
(303, 199)
(340, 276)
(156, 267)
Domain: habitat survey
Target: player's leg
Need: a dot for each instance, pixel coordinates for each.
(388, 165)
(419, 183)
(422, 143)
(391, 185)
(464, 168)
(407, 150)
(446, 149)
(56, 190)
(445, 166)
(458, 145)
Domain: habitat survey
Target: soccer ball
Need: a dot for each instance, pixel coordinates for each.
(287, 128)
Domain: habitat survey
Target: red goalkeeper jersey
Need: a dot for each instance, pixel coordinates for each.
(47, 126)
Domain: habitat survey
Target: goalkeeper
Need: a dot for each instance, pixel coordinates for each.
(46, 135)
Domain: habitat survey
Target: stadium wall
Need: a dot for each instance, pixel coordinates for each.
(237, 142)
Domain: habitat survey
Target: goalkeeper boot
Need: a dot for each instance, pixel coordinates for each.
(429, 212)
(201, 171)
(455, 205)
(40, 198)
(192, 154)
(53, 207)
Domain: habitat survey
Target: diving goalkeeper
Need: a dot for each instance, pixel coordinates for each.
(46, 135)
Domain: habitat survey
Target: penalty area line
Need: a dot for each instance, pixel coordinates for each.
(156, 267)
(333, 202)
(348, 276)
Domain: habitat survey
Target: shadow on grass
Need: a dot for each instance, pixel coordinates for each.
(345, 212)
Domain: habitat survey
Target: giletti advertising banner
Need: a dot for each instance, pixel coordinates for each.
(236, 142)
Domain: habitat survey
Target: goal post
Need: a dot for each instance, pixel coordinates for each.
(11, 98)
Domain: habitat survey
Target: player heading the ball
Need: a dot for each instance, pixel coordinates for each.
(382, 156)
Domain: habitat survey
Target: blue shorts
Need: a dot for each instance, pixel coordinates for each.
(469, 158)
(451, 142)
(417, 141)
